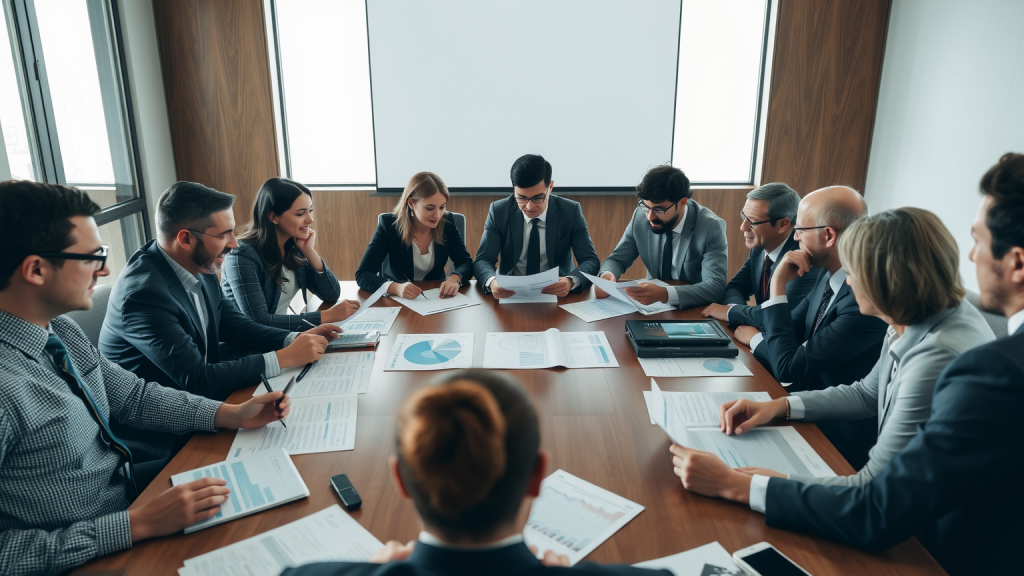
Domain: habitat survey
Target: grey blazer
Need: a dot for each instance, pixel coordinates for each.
(703, 257)
(904, 401)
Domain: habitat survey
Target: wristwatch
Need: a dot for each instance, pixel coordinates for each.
(788, 408)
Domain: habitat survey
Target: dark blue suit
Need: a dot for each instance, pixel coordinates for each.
(388, 244)
(427, 560)
(747, 283)
(956, 485)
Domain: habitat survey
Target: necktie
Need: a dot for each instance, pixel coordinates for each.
(55, 348)
(666, 257)
(533, 249)
(822, 307)
(766, 277)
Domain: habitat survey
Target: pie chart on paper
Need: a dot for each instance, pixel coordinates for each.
(430, 352)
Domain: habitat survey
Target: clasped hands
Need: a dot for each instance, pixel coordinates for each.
(645, 293)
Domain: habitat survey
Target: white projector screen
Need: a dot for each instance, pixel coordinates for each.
(464, 87)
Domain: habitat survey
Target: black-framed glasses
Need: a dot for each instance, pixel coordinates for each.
(656, 209)
(805, 228)
(751, 222)
(217, 236)
(99, 256)
(538, 199)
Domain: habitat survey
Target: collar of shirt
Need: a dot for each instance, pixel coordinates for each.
(543, 215)
(189, 280)
(1014, 322)
(774, 254)
(836, 281)
(428, 538)
(28, 338)
(678, 229)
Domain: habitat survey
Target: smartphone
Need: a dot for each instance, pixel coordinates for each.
(763, 559)
(347, 492)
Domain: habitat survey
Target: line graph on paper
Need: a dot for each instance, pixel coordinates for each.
(570, 521)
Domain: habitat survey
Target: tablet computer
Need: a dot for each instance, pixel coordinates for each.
(677, 332)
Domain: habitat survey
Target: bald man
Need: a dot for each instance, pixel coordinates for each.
(825, 340)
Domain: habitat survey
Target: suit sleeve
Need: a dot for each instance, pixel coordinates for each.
(242, 274)
(487, 254)
(458, 253)
(583, 251)
(714, 267)
(624, 255)
(368, 274)
(323, 284)
(741, 287)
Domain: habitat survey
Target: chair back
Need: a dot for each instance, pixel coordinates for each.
(90, 321)
(996, 322)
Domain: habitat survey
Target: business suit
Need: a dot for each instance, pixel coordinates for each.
(152, 328)
(702, 256)
(248, 285)
(748, 282)
(428, 560)
(844, 349)
(387, 243)
(565, 236)
(955, 485)
(901, 403)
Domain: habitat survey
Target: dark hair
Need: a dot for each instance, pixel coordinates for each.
(1004, 182)
(467, 447)
(276, 195)
(530, 170)
(188, 205)
(37, 218)
(663, 183)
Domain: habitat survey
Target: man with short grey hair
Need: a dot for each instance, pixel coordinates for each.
(767, 225)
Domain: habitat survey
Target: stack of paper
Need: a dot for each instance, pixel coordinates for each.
(315, 424)
(693, 367)
(707, 560)
(430, 302)
(330, 535)
(430, 352)
(333, 373)
(528, 288)
(366, 319)
(529, 350)
(698, 409)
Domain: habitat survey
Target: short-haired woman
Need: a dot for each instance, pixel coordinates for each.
(467, 452)
(276, 259)
(415, 241)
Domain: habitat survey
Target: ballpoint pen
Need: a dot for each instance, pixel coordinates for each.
(269, 389)
(305, 370)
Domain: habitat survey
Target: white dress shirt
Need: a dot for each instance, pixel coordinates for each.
(677, 237)
(1014, 322)
(835, 282)
(422, 264)
(288, 291)
(774, 255)
(520, 268)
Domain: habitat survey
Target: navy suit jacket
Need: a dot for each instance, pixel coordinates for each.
(427, 560)
(387, 244)
(747, 283)
(565, 236)
(152, 329)
(956, 485)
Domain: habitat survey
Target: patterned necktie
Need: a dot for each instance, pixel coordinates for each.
(533, 249)
(55, 348)
(766, 277)
(666, 257)
(822, 307)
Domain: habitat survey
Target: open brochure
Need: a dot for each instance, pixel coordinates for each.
(548, 349)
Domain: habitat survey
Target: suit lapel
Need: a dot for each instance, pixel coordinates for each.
(757, 256)
(813, 304)
(685, 236)
(212, 323)
(884, 382)
(551, 233)
(407, 267)
(176, 288)
(517, 221)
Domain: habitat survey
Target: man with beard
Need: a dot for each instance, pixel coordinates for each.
(677, 239)
(166, 317)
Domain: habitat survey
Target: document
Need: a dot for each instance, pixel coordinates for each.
(707, 560)
(594, 310)
(333, 373)
(380, 319)
(696, 409)
(315, 424)
(693, 367)
(430, 302)
(573, 517)
(257, 482)
(617, 290)
(548, 349)
(329, 535)
(430, 352)
(528, 288)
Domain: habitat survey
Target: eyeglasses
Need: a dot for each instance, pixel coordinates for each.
(751, 222)
(810, 228)
(99, 256)
(656, 209)
(538, 199)
(217, 236)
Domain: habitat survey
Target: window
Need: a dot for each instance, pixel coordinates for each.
(64, 110)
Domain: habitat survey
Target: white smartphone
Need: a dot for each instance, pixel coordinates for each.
(763, 559)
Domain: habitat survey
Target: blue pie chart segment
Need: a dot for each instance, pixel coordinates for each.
(721, 366)
(427, 353)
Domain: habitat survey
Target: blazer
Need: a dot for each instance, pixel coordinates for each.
(902, 403)
(247, 284)
(955, 485)
(152, 328)
(565, 236)
(844, 349)
(387, 244)
(427, 560)
(747, 283)
(702, 255)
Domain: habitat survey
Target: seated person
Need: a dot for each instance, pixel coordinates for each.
(66, 481)
(276, 259)
(518, 227)
(767, 225)
(467, 452)
(166, 315)
(952, 486)
(677, 239)
(903, 267)
(415, 243)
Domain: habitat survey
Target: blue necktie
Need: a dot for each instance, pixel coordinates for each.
(56, 349)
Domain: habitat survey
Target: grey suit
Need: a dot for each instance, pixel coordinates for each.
(902, 401)
(702, 256)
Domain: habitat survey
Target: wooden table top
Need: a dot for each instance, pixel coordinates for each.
(594, 424)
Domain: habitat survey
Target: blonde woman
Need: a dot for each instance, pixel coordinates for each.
(415, 242)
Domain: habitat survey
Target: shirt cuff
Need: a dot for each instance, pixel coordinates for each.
(773, 301)
(757, 338)
(113, 533)
(796, 407)
(491, 281)
(206, 415)
(759, 493)
(271, 367)
(673, 297)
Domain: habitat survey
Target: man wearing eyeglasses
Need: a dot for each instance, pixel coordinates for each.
(767, 224)
(677, 239)
(533, 231)
(167, 317)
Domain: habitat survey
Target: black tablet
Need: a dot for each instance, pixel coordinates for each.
(677, 332)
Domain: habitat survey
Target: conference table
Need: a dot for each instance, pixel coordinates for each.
(594, 425)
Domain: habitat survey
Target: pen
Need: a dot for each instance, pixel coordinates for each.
(424, 296)
(266, 382)
(305, 370)
(286, 390)
(308, 322)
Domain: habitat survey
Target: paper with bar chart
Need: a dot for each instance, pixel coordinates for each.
(573, 517)
(333, 373)
(430, 352)
(548, 349)
(257, 482)
(315, 424)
